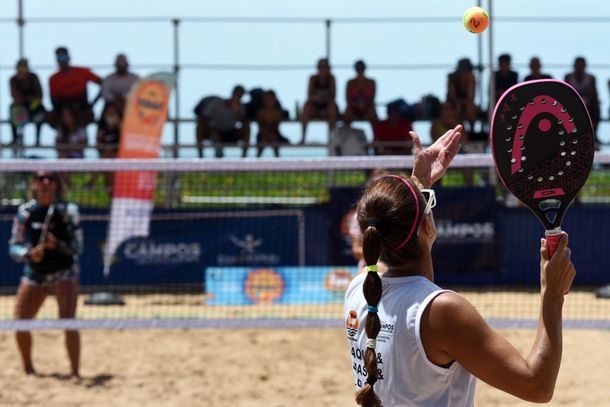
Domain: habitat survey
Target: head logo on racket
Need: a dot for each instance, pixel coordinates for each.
(543, 146)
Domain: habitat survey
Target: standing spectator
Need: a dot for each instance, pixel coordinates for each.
(116, 85)
(71, 138)
(69, 89)
(269, 118)
(584, 84)
(504, 76)
(27, 102)
(355, 233)
(321, 93)
(360, 96)
(226, 122)
(392, 136)
(536, 71)
(51, 261)
(461, 90)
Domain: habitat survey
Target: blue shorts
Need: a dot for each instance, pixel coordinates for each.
(34, 278)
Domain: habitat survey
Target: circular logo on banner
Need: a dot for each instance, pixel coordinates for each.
(264, 286)
(150, 102)
(337, 280)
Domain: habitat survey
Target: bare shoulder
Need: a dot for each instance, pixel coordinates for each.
(451, 310)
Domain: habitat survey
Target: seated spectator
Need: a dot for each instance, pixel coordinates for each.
(109, 131)
(504, 76)
(536, 71)
(460, 92)
(584, 83)
(202, 131)
(68, 88)
(391, 136)
(446, 122)
(269, 118)
(321, 92)
(27, 102)
(116, 86)
(348, 141)
(71, 138)
(108, 139)
(223, 122)
(360, 96)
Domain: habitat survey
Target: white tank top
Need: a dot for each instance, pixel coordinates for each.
(406, 376)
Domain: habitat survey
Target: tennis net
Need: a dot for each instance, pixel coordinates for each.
(252, 243)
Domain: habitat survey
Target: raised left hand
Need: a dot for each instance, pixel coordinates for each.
(430, 164)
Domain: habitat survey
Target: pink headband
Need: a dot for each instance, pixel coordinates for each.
(400, 246)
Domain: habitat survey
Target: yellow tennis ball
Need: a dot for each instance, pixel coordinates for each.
(476, 20)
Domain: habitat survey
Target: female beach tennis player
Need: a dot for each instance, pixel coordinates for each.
(415, 344)
(46, 236)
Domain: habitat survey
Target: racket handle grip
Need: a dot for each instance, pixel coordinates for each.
(552, 241)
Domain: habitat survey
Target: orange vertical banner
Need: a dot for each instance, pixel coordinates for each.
(134, 191)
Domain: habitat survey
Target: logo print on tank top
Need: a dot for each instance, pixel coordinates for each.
(351, 323)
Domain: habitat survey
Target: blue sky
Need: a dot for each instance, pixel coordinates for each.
(149, 45)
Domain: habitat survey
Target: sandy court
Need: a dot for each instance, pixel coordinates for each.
(267, 367)
(494, 303)
(259, 367)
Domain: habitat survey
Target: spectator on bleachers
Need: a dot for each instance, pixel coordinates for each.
(446, 122)
(391, 136)
(71, 137)
(223, 121)
(584, 83)
(505, 77)
(27, 102)
(107, 139)
(269, 118)
(116, 85)
(461, 90)
(536, 71)
(109, 131)
(346, 140)
(202, 131)
(321, 92)
(360, 96)
(68, 88)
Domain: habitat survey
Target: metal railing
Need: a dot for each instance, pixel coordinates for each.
(482, 64)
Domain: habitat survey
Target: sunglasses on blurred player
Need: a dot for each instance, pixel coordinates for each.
(430, 197)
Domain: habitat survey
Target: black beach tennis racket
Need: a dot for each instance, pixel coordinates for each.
(543, 146)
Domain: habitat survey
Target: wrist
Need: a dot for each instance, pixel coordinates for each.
(552, 298)
(419, 183)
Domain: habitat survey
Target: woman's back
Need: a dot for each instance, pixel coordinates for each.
(406, 377)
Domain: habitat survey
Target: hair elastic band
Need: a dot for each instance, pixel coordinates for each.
(373, 309)
(371, 343)
(400, 246)
(372, 268)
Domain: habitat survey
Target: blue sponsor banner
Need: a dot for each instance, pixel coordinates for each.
(181, 245)
(277, 285)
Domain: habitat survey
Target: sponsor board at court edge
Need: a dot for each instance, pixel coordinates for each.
(248, 252)
(277, 285)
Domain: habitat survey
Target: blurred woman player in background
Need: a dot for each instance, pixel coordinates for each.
(46, 236)
(413, 343)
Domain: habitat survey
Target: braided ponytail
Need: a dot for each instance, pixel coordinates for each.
(372, 293)
(389, 214)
